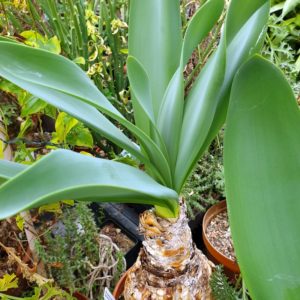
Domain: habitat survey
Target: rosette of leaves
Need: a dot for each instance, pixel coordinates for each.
(174, 131)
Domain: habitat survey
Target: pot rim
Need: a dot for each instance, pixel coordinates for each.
(210, 214)
(119, 288)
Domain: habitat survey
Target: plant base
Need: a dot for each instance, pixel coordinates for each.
(169, 266)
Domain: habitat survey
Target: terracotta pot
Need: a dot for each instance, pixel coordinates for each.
(231, 268)
(118, 291)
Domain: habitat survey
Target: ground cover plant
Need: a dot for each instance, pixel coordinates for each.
(166, 127)
(87, 268)
(206, 184)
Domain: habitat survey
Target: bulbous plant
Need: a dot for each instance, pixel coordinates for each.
(173, 131)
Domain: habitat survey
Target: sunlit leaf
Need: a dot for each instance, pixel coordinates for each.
(8, 281)
(79, 60)
(20, 222)
(32, 105)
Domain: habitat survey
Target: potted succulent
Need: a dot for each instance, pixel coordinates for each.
(172, 134)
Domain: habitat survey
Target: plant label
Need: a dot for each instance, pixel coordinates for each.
(108, 295)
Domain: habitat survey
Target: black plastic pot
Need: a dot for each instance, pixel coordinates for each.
(132, 254)
(127, 215)
(122, 214)
(196, 228)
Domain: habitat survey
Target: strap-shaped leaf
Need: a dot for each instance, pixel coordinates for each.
(262, 172)
(9, 169)
(242, 32)
(54, 71)
(244, 40)
(140, 85)
(36, 71)
(64, 174)
(198, 114)
(7, 39)
(199, 26)
(155, 40)
(170, 115)
(142, 100)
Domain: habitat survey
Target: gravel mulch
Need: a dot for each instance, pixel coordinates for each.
(219, 235)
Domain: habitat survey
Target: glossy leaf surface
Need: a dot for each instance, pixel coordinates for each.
(170, 115)
(171, 111)
(155, 40)
(64, 85)
(140, 85)
(9, 169)
(262, 173)
(243, 29)
(245, 32)
(63, 174)
(199, 26)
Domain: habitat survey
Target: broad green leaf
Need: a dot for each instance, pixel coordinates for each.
(64, 174)
(53, 71)
(171, 110)
(80, 110)
(142, 101)
(199, 26)
(9, 169)
(7, 39)
(245, 32)
(170, 115)
(155, 40)
(140, 85)
(198, 115)
(242, 35)
(262, 172)
(63, 84)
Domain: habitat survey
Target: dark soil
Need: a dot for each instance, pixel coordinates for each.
(118, 237)
(12, 237)
(219, 235)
